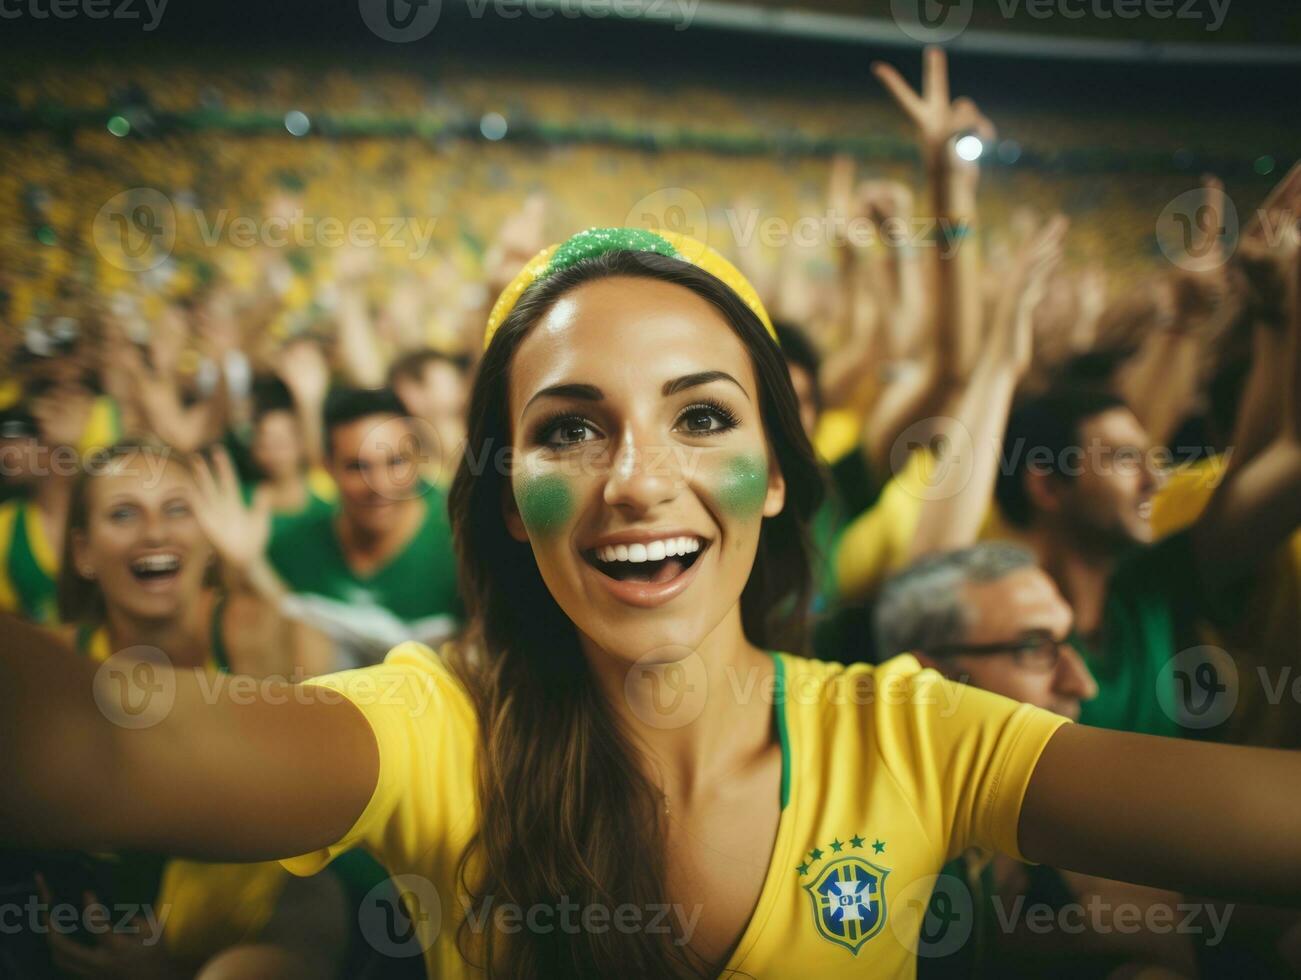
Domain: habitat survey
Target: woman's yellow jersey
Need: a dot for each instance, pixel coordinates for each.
(888, 772)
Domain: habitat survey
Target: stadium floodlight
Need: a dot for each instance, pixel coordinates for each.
(492, 126)
(970, 148)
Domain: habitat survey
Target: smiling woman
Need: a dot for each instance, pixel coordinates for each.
(687, 482)
(138, 572)
(618, 733)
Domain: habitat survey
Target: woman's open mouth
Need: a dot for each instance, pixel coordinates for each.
(647, 573)
(157, 571)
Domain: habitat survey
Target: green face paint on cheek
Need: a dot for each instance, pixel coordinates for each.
(545, 503)
(743, 485)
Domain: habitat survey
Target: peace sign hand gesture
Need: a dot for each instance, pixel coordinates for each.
(938, 120)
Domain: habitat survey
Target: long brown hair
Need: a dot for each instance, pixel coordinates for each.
(566, 812)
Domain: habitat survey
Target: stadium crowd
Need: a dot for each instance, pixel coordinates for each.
(1055, 470)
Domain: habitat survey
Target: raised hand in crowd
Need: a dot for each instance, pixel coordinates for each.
(951, 184)
(302, 366)
(272, 643)
(953, 512)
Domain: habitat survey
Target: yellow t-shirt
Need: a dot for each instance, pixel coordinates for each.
(212, 907)
(837, 433)
(103, 426)
(887, 773)
(1184, 495)
(875, 544)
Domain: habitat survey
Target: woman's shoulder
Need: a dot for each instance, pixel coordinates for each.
(413, 680)
(825, 673)
(897, 693)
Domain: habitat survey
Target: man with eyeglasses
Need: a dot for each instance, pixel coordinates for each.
(988, 616)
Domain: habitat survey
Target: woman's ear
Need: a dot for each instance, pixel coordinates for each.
(776, 498)
(510, 513)
(80, 556)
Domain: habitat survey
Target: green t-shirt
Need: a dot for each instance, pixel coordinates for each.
(1154, 599)
(317, 506)
(412, 597)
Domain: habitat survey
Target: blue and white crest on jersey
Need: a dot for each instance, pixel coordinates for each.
(849, 901)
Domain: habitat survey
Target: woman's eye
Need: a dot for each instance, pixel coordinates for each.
(119, 514)
(706, 419)
(568, 432)
(178, 510)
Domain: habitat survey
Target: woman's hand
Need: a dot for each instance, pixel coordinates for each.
(238, 533)
(1012, 332)
(302, 366)
(61, 415)
(521, 237)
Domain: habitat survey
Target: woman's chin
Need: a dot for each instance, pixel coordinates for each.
(142, 605)
(639, 641)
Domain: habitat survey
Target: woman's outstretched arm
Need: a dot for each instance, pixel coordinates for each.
(221, 768)
(1193, 816)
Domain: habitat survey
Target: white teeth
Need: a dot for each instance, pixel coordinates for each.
(649, 551)
(157, 563)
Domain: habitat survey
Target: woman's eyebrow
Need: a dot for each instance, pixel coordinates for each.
(587, 393)
(591, 393)
(700, 378)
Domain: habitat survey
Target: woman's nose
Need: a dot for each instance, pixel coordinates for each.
(642, 476)
(154, 527)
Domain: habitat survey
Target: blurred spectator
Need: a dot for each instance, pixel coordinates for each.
(31, 524)
(381, 570)
(434, 388)
(288, 487)
(988, 616)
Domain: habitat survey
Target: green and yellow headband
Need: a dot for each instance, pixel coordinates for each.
(597, 241)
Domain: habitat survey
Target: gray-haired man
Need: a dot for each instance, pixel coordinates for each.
(989, 616)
